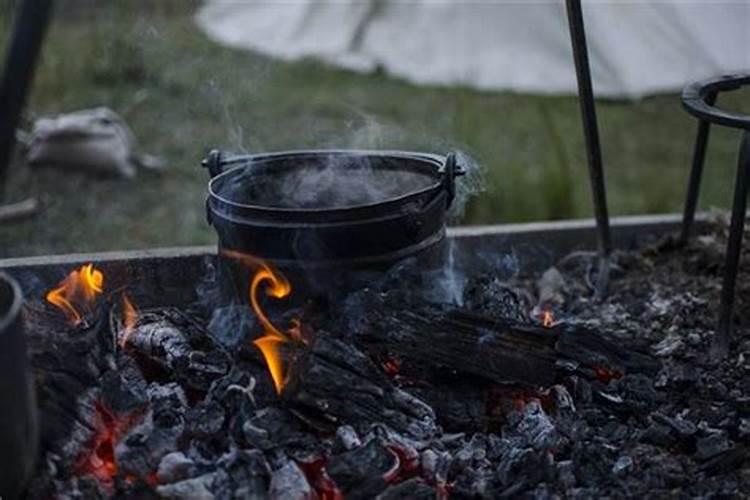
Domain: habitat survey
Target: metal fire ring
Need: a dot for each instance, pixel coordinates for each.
(698, 100)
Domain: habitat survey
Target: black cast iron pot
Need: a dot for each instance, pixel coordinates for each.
(325, 214)
(18, 418)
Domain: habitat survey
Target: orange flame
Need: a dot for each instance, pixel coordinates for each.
(270, 343)
(129, 319)
(548, 320)
(77, 292)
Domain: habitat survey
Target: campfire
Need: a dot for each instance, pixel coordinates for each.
(334, 348)
(387, 394)
(292, 365)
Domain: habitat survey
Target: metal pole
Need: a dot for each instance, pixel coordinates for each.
(696, 172)
(28, 32)
(19, 429)
(591, 135)
(720, 347)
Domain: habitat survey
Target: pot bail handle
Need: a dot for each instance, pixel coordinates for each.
(213, 162)
(451, 169)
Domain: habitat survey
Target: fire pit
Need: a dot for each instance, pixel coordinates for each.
(531, 387)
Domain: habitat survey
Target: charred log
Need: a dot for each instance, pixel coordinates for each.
(494, 350)
(67, 362)
(171, 340)
(459, 405)
(470, 344)
(596, 350)
(339, 383)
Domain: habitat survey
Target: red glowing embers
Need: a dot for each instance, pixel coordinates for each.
(99, 458)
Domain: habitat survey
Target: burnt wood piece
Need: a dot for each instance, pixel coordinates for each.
(458, 404)
(339, 383)
(139, 452)
(471, 344)
(502, 353)
(177, 343)
(595, 350)
(361, 473)
(66, 361)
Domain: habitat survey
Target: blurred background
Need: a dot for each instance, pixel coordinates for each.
(184, 88)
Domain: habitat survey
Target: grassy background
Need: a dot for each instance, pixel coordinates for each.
(183, 95)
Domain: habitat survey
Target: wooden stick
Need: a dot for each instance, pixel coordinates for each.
(19, 210)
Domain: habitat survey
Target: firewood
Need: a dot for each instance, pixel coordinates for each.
(337, 381)
(494, 350)
(171, 340)
(19, 210)
(66, 361)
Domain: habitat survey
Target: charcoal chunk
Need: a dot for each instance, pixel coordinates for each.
(124, 389)
(289, 483)
(566, 474)
(197, 488)
(247, 471)
(658, 434)
(347, 438)
(412, 489)
(489, 295)
(175, 467)
(143, 448)
(623, 465)
(711, 445)
(360, 473)
(169, 339)
(205, 419)
(273, 427)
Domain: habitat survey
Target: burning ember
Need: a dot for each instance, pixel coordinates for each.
(548, 319)
(77, 293)
(606, 375)
(129, 319)
(391, 366)
(316, 474)
(278, 287)
(99, 459)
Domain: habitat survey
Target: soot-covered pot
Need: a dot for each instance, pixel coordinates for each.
(326, 214)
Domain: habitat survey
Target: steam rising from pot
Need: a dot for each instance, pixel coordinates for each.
(337, 181)
(323, 181)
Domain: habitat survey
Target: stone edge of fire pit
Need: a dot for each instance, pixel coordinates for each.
(168, 271)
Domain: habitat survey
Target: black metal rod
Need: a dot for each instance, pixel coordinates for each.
(734, 246)
(696, 173)
(28, 32)
(591, 135)
(18, 418)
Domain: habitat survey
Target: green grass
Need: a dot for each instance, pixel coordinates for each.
(183, 95)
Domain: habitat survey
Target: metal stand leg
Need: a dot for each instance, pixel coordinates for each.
(28, 32)
(591, 134)
(696, 172)
(723, 336)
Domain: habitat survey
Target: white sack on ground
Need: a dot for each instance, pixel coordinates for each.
(94, 140)
(636, 47)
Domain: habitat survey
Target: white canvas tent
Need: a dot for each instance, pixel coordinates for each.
(636, 47)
